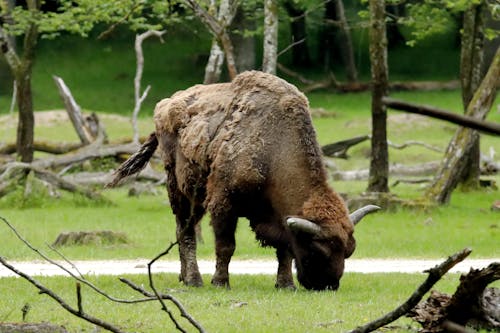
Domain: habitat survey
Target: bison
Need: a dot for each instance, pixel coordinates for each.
(248, 149)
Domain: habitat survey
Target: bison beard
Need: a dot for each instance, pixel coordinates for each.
(248, 149)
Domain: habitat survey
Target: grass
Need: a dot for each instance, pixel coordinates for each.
(252, 305)
(100, 75)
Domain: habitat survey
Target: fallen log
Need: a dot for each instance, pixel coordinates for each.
(339, 148)
(56, 148)
(474, 123)
(423, 169)
(12, 170)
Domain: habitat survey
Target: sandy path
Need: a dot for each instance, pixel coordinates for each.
(139, 266)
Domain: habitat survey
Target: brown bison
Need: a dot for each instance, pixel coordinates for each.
(248, 149)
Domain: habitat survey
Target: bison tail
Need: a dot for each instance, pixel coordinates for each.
(137, 161)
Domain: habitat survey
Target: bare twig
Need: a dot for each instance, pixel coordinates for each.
(58, 299)
(183, 312)
(77, 278)
(105, 34)
(434, 275)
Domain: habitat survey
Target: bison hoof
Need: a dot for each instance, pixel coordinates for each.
(285, 285)
(192, 281)
(221, 283)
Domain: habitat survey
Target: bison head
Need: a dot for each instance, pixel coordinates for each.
(320, 260)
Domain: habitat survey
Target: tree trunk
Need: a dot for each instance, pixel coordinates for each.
(213, 69)
(379, 163)
(337, 36)
(270, 57)
(218, 28)
(300, 52)
(345, 42)
(454, 162)
(244, 46)
(471, 64)
(21, 69)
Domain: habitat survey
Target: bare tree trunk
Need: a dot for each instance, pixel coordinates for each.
(218, 28)
(244, 46)
(298, 26)
(21, 69)
(379, 163)
(454, 162)
(345, 41)
(213, 69)
(270, 57)
(471, 64)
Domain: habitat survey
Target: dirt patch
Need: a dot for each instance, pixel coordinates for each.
(55, 117)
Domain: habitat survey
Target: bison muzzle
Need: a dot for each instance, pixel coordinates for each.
(248, 149)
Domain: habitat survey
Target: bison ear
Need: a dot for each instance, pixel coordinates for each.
(298, 224)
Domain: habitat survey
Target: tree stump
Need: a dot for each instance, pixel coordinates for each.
(472, 305)
(31, 328)
(100, 237)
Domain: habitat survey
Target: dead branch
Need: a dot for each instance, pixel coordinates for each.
(339, 148)
(435, 275)
(472, 304)
(81, 279)
(330, 82)
(82, 127)
(474, 123)
(422, 169)
(184, 313)
(414, 143)
(13, 168)
(43, 146)
(411, 181)
(138, 97)
(62, 303)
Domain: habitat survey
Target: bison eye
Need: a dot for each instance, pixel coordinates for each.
(322, 248)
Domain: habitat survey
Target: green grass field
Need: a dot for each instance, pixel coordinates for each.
(100, 75)
(252, 305)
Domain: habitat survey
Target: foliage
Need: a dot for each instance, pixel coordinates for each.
(80, 17)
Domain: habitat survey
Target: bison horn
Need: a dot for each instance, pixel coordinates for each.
(358, 214)
(298, 224)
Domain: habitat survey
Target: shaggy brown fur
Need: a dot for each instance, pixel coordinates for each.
(248, 149)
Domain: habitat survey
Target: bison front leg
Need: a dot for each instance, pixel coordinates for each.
(224, 230)
(284, 279)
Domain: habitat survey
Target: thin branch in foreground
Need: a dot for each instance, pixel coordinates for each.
(80, 279)
(183, 312)
(434, 275)
(77, 312)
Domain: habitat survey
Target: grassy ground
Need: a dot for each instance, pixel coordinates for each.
(252, 305)
(100, 76)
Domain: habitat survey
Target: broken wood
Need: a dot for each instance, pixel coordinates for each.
(339, 148)
(56, 148)
(435, 275)
(85, 127)
(474, 123)
(14, 169)
(332, 83)
(423, 169)
(472, 304)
